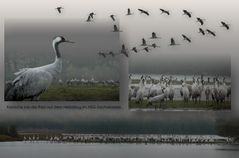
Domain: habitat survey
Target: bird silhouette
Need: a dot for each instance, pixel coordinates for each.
(89, 19)
(154, 45)
(124, 51)
(211, 32)
(172, 42)
(134, 49)
(201, 31)
(200, 20)
(59, 9)
(102, 54)
(143, 42)
(146, 49)
(116, 29)
(189, 14)
(129, 12)
(112, 17)
(225, 25)
(92, 14)
(143, 12)
(163, 11)
(186, 38)
(154, 36)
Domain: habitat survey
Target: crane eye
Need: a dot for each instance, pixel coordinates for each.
(62, 38)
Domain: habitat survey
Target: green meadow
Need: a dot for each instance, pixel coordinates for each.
(180, 104)
(81, 93)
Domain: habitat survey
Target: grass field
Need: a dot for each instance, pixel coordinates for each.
(181, 105)
(81, 93)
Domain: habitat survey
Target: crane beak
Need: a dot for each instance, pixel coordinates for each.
(67, 41)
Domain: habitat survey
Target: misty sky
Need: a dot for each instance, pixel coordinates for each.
(28, 43)
(214, 53)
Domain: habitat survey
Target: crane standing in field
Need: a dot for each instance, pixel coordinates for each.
(30, 83)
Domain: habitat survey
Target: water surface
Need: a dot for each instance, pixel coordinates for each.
(76, 150)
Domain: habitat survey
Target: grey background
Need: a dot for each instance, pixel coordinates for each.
(28, 43)
(134, 28)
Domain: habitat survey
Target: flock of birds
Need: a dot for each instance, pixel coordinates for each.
(30, 83)
(122, 138)
(92, 81)
(153, 90)
(146, 47)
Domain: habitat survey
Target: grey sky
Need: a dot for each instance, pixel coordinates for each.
(28, 43)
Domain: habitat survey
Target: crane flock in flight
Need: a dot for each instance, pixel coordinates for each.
(144, 46)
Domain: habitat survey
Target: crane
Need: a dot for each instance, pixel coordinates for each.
(59, 9)
(172, 42)
(30, 83)
(144, 12)
(116, 29)
(186, 38)
(189, 14)
(201, 31)
(143, 42)
(163, 11)
(211, 32)
(200, 20)
(225, 25)
(112, 17)
(129, 12)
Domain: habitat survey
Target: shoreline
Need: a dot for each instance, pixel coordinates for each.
(127, 138)
(6, 138)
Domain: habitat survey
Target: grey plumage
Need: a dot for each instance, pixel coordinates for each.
(30, 83)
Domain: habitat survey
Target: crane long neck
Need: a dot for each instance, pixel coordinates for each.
(56, 49)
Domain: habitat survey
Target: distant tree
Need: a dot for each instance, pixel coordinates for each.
(12, 131)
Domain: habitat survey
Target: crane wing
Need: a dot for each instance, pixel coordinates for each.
(31, 82)
(21, 71)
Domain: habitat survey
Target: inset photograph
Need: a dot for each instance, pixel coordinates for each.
(61, 60)
(180, 83)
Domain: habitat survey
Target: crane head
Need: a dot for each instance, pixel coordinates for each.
(61, 39)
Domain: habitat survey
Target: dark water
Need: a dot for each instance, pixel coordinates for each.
(52, 150)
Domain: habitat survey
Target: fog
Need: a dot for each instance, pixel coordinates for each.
(28, 43)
